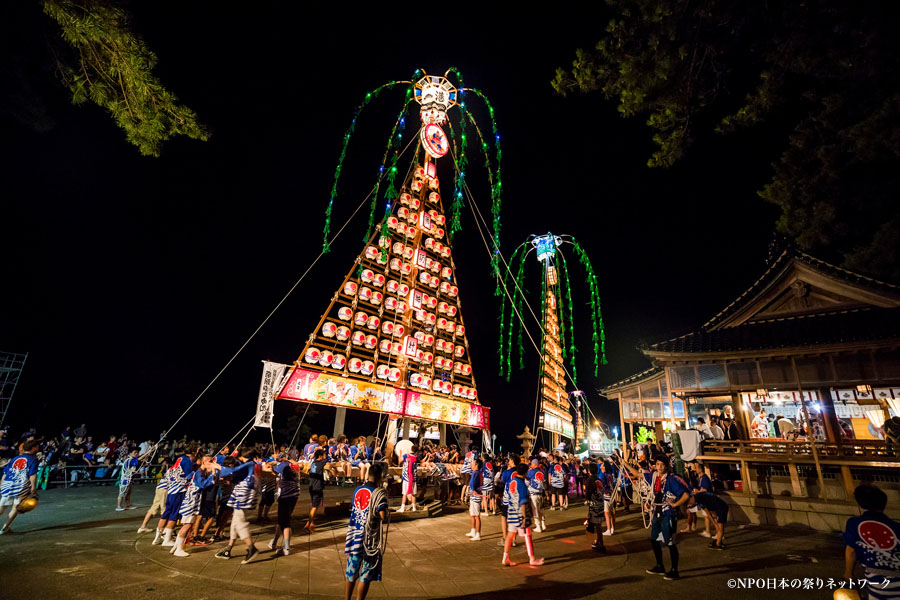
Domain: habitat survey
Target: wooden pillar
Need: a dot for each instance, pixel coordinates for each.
(745, 477)
(658, 429)
(443, 429)
(340, 419)
(796, 488)
(390, 438)
(406, 423)
(847, 480)
(742, 416)
(832, 426)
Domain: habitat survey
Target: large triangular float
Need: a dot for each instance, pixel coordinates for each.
(392, 340)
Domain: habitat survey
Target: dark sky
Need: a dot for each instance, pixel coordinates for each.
(132, 280)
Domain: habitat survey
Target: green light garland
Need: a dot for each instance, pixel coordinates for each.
(567, 290)
(495, 252)
(599, 332)
(337, 171)
(516, 256)
(459, 180)
(516, 262)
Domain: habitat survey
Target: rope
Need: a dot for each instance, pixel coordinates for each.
(298, 426)
(253, 418)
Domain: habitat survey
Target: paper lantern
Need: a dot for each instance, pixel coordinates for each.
(384, 346)
(437, 247)
(355, 365)
(436, 386)
(378, 280)
(435, 267)
(359, 338)
(402, 213)
(445, 287)
(446, 386)
(376, 298)
(429, 339)
(403, 290)
(396, 348)
(367, 275)
(445, 251)
(384, 242)
(434, 197)
(433, 214)
(433, 282)
(399, 330)
(429, 243)
(446, 273)
(442, 323)
(397, 248)
(416, 186)
(368, 367)
(414, 204)
(467, 370)
(383, 371)
(343, 333)
(406, 268)
(457, 390)
(424, 277)
(454, 291)
(371, 252)
(365, 293)
(412, 217)
(339, 362)
(350, 288)
(420, 355)
(410, 232)
(387, 328)
(433, 184)
(361, 318)
(431, 318)
(432, 302)
(470, 393)
(373, 322)
(402, 307)
(382, 259)
(457, 367)
(439, 345)
(419, 172)
(451, 311)
(394, 374)
(460, 351)
(442, 308)
(312, 355)
(401, 228)
(405, 198)
(395, 264)
(451, 326)
(408, 253)
(419, 315)
(427, 358)
(426, 382)
(329, 329)
(390, 303)
(416, 380)
(326, 357)
(393, 222)
(448, 347)
(371, 341)
(461, 330)
(392, 286)
(439, 234)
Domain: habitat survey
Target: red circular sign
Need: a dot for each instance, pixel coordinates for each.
(512, 487)
(877, 534)
(362, 498)
(434, 140)
(539, 476)
(20, 464)
(557, 468)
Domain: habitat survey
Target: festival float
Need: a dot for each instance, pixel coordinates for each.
(555, 406)
(392, 339)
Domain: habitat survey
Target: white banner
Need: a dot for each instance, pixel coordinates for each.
(272, 378)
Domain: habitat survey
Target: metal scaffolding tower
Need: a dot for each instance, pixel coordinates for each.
(11, 365)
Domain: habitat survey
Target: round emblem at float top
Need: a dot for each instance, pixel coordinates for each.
(434, 140)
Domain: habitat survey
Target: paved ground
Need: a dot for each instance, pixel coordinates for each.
(75, 546)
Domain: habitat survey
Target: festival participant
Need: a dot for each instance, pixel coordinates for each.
(558, 474)
(408, 479)
(608, 485)
(871, 540)
(129, 468)
(207, 510)
(466, 471)
(519, 516)
(364, 541)
(703, 486)
(226, 486)
(222, 454)
(487, 487)
(536, 479)
(759, 428)
(202, 478)
(341, 459)
(670, 492)
(505, 477)
(310, 448)
(359, 458)
(476, 478)
(288, 494)
(596, 503)
(179, 474)
(453, 455)
(242, 499)
(159, 505)
(19, 481)
(316, 488)
(717, 432)
(266, 485)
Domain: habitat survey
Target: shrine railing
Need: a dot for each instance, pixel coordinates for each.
(855, 450)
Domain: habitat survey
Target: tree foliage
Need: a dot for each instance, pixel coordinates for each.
(109, 65)
(820, 75)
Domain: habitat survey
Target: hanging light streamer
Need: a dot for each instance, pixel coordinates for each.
(337, 171)
(599, 333)
(567, 289)
(459, 181)
(517, 262)
(492, 178)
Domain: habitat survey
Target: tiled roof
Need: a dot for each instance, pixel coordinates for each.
(867, 324)
(782, 262)
(634, 378)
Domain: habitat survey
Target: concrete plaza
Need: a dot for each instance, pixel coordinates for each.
(74, 545)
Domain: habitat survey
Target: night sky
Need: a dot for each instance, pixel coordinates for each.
(132, 280)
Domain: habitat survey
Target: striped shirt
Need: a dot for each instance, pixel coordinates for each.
(515, 497)
(163, 481)
(17, 476)
(288, 482)
(190, 506)
(360, 507)
(243, 496)
(179, 474)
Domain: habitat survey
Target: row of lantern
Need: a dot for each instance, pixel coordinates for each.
(437, 247)
(326, 358)
(409, 231)
(362, 319)
(422, 173)
(365, 294)
(397, 330)
(407, 199)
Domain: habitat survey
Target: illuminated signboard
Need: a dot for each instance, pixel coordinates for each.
(557, 425)
(545, 247)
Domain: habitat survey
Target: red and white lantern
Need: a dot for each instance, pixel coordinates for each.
(457, 390)
(378, 280)
(326, 357)
(343, 333)
(442, 323)
(355, 365)
(429, 243)
(367, 275)
(368, 367)
(406, 268)
(414, 204)
(359, 338)
(402, 307)
(365, 293)
(429, 339)
(431, 319)
(350, 288)
(420, 355)
(371, 252)
(392, 286)
(412, 217)
(439, 346)
(405, 198)
(387, 328)
(376, 298)
(371, 341)
(396, 348)
(403, 290)
(426, 383)
(439, 234)
(454, 291)
(402, 212)
(424, 277)
(373, 322)
(313, 355)
(361, 318)
(419, 172)
(395, 264)
(448, 347)
(467, 369)
(383, 372)
(445, 287)
(393, 222)
(384, 346)
(416, 186)
(420, 336)
(437, 247)
(384, 242)
(394, 374)
(339, 362)
(399, 330)
(451, 326)
(433, 283)
(381, 259)
(416, 379)
(434, 197)
(442, 308)
(408, 253)
(390, 303)
(427, 358)
(329, 329)
(436, 385)
(460, 351)
(461, 330)
(446, 273)
(397, 248)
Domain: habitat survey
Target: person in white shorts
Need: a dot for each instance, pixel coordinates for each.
(476, 480)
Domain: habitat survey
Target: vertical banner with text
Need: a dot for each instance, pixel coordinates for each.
(272, 377)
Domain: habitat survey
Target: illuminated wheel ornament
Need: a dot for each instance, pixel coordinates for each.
(434, 140)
